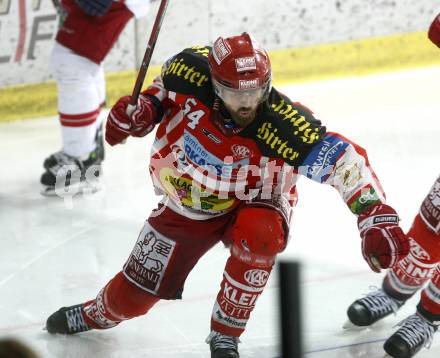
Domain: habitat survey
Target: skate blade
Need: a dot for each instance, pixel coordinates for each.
(48, 191)
(90, 188)
(348, 325)
(76, 189)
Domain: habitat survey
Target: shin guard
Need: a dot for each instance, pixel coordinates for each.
(258, 235)
(410, 274)
(119, 300)
(241, 286)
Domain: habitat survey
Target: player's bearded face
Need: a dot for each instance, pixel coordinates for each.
(241, 105)
(242, 111)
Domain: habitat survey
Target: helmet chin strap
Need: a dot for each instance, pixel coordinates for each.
(226, 115)
(223, 119)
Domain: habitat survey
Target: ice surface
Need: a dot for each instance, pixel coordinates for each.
(56, 252)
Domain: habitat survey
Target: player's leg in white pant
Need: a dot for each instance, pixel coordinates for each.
(81, 92)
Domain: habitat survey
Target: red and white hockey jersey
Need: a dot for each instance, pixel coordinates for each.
(205, 166)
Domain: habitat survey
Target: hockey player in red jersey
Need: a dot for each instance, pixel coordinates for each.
(227, 153)
(88, 30)
(403, 280)
(434, 31)
(420, 267)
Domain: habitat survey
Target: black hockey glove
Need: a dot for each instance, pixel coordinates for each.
(95, 7)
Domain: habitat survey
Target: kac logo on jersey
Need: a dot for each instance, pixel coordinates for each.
(240, 151)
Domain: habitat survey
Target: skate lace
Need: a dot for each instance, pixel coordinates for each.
(379, 303)
(65, 162)
(221, 341)
(75, 320)
(415, 330)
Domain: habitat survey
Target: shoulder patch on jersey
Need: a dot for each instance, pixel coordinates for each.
(321, 160)
(188, 73)
(285, 130)
(303, 125)
(202, 51)
(271, 137)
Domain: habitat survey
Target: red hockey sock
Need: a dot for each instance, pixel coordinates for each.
(119, 300)
(406, 277)
(430, 298)
(241, 286)
(258, 235)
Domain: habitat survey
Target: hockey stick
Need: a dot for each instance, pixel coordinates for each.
(147, 55)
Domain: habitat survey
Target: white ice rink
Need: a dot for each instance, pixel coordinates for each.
(55, 252)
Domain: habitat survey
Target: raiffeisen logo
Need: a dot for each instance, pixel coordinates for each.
(198, 155)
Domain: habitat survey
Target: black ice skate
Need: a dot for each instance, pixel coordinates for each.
(67, 320)
(371, 308)
(415, 332)
(223, 346)
(64, 172)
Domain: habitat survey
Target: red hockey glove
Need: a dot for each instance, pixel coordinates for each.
(434, 31)
(139, 123)
(383, 241)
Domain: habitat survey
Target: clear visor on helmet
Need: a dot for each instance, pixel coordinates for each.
(235, 98)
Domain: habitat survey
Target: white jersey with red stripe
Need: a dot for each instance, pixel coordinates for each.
(206, 166)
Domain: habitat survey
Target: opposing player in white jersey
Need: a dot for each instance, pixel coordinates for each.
(228, 150)
(88, 30)
(421, 268)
